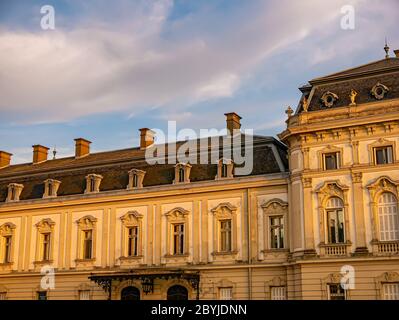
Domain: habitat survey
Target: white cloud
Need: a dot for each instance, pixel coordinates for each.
(100, 66)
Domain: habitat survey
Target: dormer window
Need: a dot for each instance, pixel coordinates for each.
(93, 182)
(328, 99)
(51, 188)
(14, 192)
(225, 169)
(136, 178)
(182, 173)
(379, 91)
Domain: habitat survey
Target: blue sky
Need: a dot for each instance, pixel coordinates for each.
(112, 67)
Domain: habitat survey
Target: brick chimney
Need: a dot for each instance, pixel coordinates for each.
(82, 147)
(146, 138)
(39, 153)
(233, 121)
(5, 159)
(396, 53)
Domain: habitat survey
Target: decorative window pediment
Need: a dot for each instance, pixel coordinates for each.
(45, 225)
(51, 187)
(275, 206)
(86, 222)
(131, 218)
(329, 98)
(224, 210)
(225, 169)
(177, 214)
(379, 91)
(14, 192)
(93, 182)
(381, 185)
(7, 229)
(136, 178)
(182, 173)
(332, 189)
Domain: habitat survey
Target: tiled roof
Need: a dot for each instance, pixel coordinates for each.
(362, 79)
(114, 167)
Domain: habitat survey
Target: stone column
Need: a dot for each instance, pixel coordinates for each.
(308, 216)
(360, 236)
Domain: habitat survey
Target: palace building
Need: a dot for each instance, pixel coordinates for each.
(317, 217)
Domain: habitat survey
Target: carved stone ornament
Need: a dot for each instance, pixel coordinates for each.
(328, 99)
(353, 96)
(379, 91)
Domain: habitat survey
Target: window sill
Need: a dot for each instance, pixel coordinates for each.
(85, 261)
(171, 256)
(6, 264)
(224, 253)
(42, 262)
(275, 250)
(131, 258)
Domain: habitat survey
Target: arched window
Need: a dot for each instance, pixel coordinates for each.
(335, 220)
(177, 293)
(130, 293)
(388, 217)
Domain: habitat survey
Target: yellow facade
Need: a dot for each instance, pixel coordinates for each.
(308, 263)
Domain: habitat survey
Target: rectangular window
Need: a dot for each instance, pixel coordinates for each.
(225, 235)
(84, 294)
(92, 185)
(226, 293)
(331, 161)
(390, 291)
(50, 189)
(135, 181)
(336, 292)
(277, 293)
(42, 295)
(335, 220)
(224, 170)
(178, 238)
(7, 249)
(3, 295)
(277, 232)
(87, 244)
(13, 194)
(46, 246)
(132, 249)
(383, 155)
(181, 175)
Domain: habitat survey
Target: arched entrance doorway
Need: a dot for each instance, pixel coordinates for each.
(130, 293)
(177, 293)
